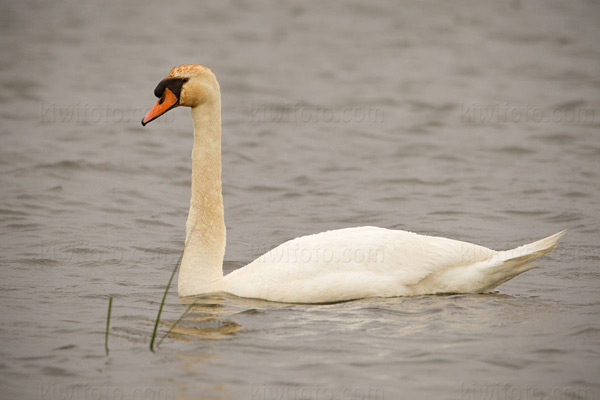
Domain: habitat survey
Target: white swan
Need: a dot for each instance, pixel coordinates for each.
(331, 266)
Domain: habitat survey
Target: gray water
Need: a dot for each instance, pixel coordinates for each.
(478, 122)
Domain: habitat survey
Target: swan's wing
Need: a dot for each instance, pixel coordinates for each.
(407, 256)
(356, 262)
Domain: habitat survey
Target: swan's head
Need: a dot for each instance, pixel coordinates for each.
(187, 85)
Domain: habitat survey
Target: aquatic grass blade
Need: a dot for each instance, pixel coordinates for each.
(162, 303)
(107, 324)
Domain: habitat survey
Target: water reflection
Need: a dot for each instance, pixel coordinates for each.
(208, 316)
(216, 316)
(204, 318)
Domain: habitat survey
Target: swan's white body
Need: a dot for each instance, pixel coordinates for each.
(367, 261)
(331, 266)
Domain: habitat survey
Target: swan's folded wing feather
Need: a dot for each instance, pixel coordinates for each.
(360, 262)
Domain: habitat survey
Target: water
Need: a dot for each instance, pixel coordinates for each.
(474, 121)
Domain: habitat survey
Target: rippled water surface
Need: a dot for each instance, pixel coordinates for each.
(474, 121)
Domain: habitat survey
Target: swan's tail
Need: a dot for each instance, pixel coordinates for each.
(510, 263)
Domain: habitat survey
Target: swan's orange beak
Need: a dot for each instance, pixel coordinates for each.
(164, 104)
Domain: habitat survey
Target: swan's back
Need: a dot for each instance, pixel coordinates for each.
(351, 263)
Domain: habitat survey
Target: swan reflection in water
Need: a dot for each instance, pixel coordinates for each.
(204, 318)
(208, 316)
(218, 316)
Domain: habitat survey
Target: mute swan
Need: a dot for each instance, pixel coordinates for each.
(331, 266)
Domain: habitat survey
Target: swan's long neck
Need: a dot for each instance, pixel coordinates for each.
(202, 263)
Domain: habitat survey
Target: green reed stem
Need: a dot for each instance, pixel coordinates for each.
(162, 303)
(107, 324)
